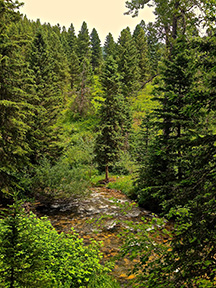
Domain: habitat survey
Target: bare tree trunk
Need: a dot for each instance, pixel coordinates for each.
(107, 174)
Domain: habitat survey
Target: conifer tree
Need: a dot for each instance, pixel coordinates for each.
(72, 39)
(59, 62)
(128, 63)
(83, 99)
(15, 95)
(83, 43)
(154, 48)
(49, 97)
(113, 119)
(165, 161)
(179, 171)
(142, 49)
(74, 69)
(110, 46)
(64, 41)
(96, 51)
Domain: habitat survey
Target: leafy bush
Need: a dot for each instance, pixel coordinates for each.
(33, 254)
(123, 183)
(103, 281)
(126, 165)
(59, 180)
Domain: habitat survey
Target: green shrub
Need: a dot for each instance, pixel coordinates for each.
(103, 281)
(59, 180)
(33, 254)
(126, 165)
(123, 183)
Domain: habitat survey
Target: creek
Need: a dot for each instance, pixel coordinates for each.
(99, 216)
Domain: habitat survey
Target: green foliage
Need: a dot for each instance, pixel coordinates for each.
(97, 94)
(96, 51)
(60, 180)
(34, 254)
(49, 86)
(103, 281)
(110, 46)
(125, 165)
(15, 106)
(128, 63)
(124, 183)
(114, 119)
(140, 40)
(143, 104)
(82, 102)
(83, 43)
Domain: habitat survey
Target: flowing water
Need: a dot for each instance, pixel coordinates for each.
(100, 216)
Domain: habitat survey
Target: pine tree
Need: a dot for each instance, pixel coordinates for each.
(180, 166)
(110, 46)
(15, 95)
(72, 39)
(154, 48)
(74, 70)
(113, 119)
(128, 63)
(82, 101)
(59, 62)
(165, 164)
(49, 97)
(96, 51)
(83, 43)
(64, 41)
(142, 49)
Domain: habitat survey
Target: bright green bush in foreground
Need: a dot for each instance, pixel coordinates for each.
(33, 254)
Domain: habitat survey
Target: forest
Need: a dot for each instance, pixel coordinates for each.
(136, 115)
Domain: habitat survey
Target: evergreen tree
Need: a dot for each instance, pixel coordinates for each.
(165, 164)
(82, 101)
(113, 119)
(74, 70)
(64, 41)
(15, 95)
(180, 166)
(83, 43)
(72, 39)
(49, 97)
(128, 63)
(110, 46)
(96, 51)
(142, 49)
(59, 62)
(154, 48)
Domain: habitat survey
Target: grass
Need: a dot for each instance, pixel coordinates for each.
(124, 183)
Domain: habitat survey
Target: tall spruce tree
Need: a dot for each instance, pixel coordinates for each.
(15, 95)
(155, 48)
(49, 98)
(110, 46)
(165, 166)
(74, 70)
(83, 43)
(96, 51)
(113, 119)
(72, 39)
(82, 101)
(128, 63)
(140, 40)
(180, 166)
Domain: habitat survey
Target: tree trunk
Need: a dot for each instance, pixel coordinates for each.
(107, 174)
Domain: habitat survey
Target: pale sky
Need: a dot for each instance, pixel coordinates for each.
(103, 15)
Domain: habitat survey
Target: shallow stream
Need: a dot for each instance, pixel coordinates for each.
(100, 216)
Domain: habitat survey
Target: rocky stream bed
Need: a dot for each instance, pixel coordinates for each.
(99, 216)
